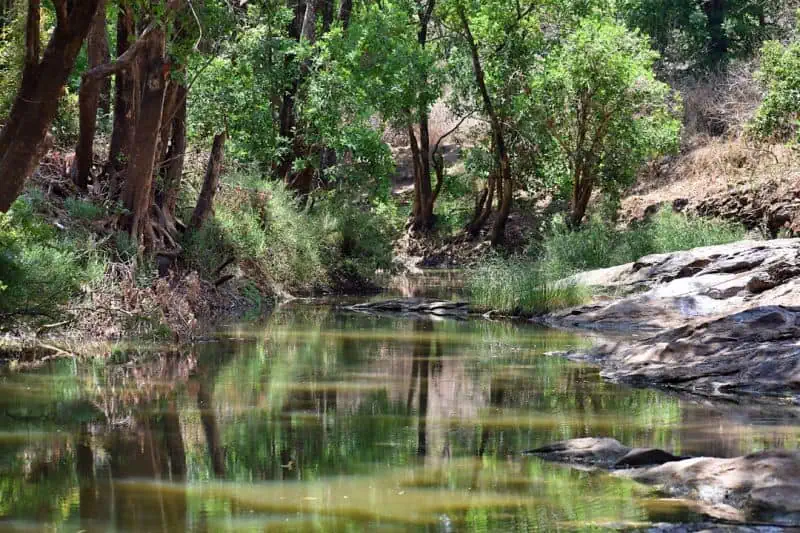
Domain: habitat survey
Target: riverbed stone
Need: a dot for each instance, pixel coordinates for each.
(718, 320)
(760, 487)
(764, 486)
(417, 306)
(601, 451)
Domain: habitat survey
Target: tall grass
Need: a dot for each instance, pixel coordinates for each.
(601, 245)
(519, 287)
(261, 224)
(537, 284)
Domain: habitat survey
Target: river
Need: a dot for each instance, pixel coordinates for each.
(323, 420)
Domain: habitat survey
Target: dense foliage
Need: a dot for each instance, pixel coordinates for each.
(543, 108)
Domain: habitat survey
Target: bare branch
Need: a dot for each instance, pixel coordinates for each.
(123, 61)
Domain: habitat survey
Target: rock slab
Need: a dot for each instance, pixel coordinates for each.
(761, 487)
(718, 320)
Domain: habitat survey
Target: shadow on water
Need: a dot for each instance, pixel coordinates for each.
(328, 421)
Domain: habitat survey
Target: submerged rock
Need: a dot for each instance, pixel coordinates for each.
(605, 452)
(417, 306)
(761, 487)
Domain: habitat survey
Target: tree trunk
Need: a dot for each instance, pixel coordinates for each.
(302, 180)
(581, 194)
(42, 84)
(501, 154)
(137, 194)
(98, 51)
(205, 203)
(173, 441)
(126, 93)
(423, 190)
(6, 12)
(715, 11)
(209, 420)
(345, 10)
(173, 171)
(89, 98)
(326, 7)
(499, 229)
(483, 208)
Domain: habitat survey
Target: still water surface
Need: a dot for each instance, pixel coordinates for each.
(321, 420)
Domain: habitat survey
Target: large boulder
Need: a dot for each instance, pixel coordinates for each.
(761, 487)
(668, 290)
(753, 351)
(715, 320)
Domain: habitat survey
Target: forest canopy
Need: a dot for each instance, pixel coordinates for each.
(270, 134)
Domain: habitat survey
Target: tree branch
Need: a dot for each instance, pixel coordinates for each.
(123, 61)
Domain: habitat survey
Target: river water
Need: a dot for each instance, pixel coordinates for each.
(322, 420)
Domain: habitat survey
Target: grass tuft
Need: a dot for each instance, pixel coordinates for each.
(600, 245)
(519, 287)
(537, 284)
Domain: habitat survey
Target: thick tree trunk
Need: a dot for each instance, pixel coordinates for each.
(483, 208)
(205, 203)
(98, 51)
(89, 99)
(581, 194)
(424, 219)
(499, 229)
(173, 441)
(326, 7)
(126, 94)
(42, 84)
(301, 181)
(137, 194)
(6, 12)
(211, 429)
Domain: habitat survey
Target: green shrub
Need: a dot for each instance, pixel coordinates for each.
(83, 209)
(452, 212)
(600, 245)
(263, 226)
(40, 269)
(519, 287)
(780, 77)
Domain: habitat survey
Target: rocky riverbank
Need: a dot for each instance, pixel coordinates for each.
(715, 321)
(760, 487)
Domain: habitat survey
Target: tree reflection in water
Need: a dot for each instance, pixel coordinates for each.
(339, 421)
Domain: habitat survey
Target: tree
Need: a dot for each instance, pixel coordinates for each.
(498, 137)
(90, 97)
(779, 75)
(424, 195)
(705, 32)
(22, 140)
(598, 112)
(492, 48)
